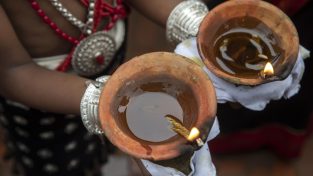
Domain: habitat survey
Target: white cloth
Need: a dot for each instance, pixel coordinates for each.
(254, 98)
(51, 62)
(201, 162)
(304, 52)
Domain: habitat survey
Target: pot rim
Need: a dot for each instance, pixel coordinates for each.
(164, 63)
(291, 52)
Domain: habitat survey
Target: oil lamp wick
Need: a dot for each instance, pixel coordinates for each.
(267, 71)
(178, 127)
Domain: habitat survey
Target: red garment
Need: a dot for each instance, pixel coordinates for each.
(279, 139)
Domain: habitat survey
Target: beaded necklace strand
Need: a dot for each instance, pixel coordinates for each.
(97, 10)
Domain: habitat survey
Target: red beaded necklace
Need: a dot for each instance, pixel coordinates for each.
(102, 10)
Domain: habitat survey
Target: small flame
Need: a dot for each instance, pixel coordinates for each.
(268, 69)
(194, 134)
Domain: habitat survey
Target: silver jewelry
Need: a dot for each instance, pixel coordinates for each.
(184, 20)
(90, 103)
(104, 43)
(84, 59)
(100, 44)
(84, 27)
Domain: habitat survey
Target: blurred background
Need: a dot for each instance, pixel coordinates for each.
(284, 127)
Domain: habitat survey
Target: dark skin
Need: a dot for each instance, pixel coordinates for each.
(24, 36)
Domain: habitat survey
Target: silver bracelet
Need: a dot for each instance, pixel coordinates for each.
(184, 20)
(90, 103)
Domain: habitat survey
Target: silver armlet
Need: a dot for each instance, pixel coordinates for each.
(89, 105)
(184, 20)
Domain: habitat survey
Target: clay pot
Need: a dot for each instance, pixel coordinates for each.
(197, 100)
(271, 16)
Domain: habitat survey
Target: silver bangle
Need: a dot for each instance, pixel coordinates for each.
(89, 105)
(184, 20)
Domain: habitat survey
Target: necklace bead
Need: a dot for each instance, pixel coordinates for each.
(72, 19)
(84, 57)
(47, 20)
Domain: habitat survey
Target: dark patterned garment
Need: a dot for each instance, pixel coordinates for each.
(49, 144)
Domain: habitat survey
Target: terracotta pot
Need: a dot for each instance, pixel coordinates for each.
(271, 16)
(198, 102)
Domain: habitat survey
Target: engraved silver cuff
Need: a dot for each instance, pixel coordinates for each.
(184, 20)
(89, 105)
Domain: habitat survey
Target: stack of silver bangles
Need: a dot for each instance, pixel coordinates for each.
(184, 20)
(90, 103)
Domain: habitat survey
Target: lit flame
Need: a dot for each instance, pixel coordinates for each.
(194, 134)
(183, 131)
(268, 69)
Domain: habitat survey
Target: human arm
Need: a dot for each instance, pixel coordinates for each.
(181, 19)
(23, 81)
(156, 10)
